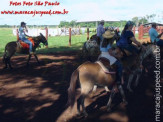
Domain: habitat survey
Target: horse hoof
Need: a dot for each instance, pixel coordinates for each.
(85, 114)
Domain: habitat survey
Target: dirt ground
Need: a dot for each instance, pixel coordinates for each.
(39, 93)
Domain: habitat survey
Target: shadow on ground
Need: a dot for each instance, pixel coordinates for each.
(39, 93)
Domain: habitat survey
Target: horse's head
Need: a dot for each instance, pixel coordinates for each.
(148, 48)
(91, 47)
(43, 40)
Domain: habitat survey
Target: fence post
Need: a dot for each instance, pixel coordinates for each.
(87, 33)
(69, 36)
(133, 30)
(140, 32)
(17, 34)
(46, 30)
(79, 30)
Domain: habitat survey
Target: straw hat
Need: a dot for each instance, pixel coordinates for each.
(108, 34)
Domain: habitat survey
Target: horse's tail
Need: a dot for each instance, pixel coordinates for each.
(71, 89)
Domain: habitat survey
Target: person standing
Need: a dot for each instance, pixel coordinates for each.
(154, 36)
(100, 30)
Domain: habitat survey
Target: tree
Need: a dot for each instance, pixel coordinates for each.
(140, 20)
(135, 20)
(151, 17)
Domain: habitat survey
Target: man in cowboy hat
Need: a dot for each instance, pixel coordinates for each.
(154, 36)
(100, 30)
(22, 35)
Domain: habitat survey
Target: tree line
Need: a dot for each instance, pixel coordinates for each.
(74, 23)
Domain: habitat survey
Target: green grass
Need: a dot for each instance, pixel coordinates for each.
(55, 44)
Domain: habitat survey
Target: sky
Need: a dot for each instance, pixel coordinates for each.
(83, 10)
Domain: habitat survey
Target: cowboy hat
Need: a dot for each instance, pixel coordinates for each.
(108, 34)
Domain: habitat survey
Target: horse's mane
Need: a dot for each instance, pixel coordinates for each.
(146, 44)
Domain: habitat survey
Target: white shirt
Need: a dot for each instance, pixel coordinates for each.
(21, 32)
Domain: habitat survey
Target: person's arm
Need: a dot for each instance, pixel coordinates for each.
(102, 30)
(133, 39)
(26, 30)
(160, 35)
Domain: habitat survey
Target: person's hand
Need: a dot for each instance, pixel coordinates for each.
(26, 29)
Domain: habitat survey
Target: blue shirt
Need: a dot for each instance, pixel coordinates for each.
(125, 38)
(104, 49)
(100, 31)
(153, 35)
(21, 33)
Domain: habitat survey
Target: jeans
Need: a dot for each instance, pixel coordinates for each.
(130, 48)
(119, 71)
(160, 42)
(27, 42)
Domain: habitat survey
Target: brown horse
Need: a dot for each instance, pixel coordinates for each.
(91, 74)
(134, 64)
(14, 47)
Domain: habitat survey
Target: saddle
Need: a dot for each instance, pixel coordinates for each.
(105, 65)
(126, 53)
(25, 45)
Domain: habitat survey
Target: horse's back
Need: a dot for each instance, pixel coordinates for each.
(11, 45)
(93, 73)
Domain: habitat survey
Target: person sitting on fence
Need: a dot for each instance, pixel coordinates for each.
(107, 51)
(22, 36)
(100, 30)
(126, 39)
(154, 36)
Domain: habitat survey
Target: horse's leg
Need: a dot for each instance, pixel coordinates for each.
(139, 71)
(131, 76)
(94, 88)
(106, 89)
(78, 105)
(120, 88)
(80, 101)
(6, 62)
(9, 62)
(36, 58)
(83, 107)
(86, 88)
(29, 57)
(110, 99)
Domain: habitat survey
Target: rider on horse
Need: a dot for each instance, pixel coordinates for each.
(108, 53)
(22, 36)
(154, 36)
(126, 39)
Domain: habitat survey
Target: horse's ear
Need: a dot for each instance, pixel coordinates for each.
(41, 34)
